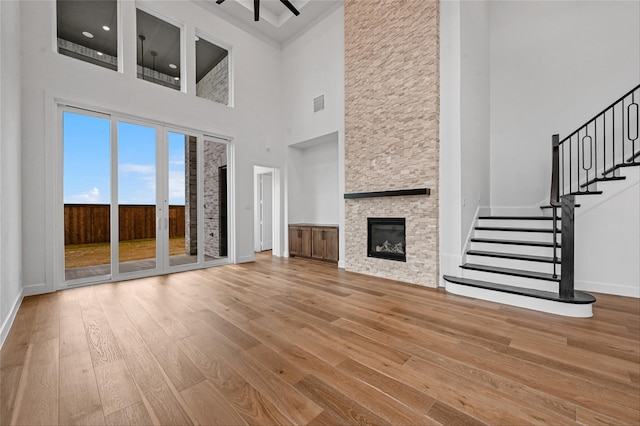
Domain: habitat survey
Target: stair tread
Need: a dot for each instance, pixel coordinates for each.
(579, 297)
(509, 271)
(549, 206)
(514, 242)
(633, 157)
(518, 217)
(544, 259)
(585, 193)
(602, 179)
(619, 166)
(514, 229)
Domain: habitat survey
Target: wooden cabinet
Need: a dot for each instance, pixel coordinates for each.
(299, 240)
(318, 242)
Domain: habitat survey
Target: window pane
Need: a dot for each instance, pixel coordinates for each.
(158, 50)
(87, 188)
(212, 72)
(87, 30)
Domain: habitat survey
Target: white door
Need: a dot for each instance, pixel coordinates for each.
(266, 212)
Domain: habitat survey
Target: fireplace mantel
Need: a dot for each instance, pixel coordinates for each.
(394, 193)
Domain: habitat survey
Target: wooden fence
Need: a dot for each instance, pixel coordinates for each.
(90, 223)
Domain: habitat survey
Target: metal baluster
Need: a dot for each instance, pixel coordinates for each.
(604, 144)
(562, 165)
(555, 240)
(584, 163)
(633, 141)
(613, 137)
(622, 129)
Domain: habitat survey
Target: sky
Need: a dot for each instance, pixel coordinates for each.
(87, 177)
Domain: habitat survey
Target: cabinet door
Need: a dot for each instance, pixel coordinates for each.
(305, 241)
(295, 241)
(317, 243)
(331, 244)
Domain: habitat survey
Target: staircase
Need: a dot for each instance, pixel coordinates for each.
(527, 261)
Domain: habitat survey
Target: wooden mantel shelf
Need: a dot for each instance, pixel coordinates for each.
(395, 193)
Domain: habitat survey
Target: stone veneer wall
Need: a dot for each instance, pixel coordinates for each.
(191, 191)
(215, 84)
(392, 130)
(215, 156)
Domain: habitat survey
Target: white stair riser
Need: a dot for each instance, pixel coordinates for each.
(558, 308)
(509, 223)
(519, 236)
(508, 248)
(631, 173)
(511, 280)
(547, 268)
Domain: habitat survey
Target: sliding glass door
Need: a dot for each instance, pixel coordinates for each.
(138, 204)
(86, 146)
(140, 199)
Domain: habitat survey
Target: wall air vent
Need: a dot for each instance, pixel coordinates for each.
(318, 103)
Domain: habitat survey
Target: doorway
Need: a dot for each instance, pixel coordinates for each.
(267, 212)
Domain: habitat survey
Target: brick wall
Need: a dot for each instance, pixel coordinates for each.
(215, 156)
(215, 84)
(391, 130)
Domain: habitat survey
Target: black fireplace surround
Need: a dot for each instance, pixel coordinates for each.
(386, 238)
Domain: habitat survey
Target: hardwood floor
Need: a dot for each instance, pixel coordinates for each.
(291, 341)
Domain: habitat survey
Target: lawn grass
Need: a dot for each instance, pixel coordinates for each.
(81, 255)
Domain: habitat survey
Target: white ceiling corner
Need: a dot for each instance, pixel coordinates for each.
(277, 25)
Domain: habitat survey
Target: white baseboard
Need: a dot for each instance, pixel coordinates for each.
(542, 305)
(607, 288)
(246, 259)
(6, 325)
(285, 253)
(33, 289)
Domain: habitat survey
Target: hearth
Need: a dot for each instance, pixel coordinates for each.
(386, 238)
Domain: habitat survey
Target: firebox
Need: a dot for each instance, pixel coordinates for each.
(386, 238)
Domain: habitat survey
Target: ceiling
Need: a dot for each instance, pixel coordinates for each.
(277, 24)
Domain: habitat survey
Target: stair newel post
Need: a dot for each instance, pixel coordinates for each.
(554, 198)
(567, 275)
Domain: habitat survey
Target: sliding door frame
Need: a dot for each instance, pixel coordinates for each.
(162, 235)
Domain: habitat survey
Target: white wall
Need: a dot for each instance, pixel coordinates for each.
(474, 110)
(464, 124)
(607, 242)
(553, 66)
(253, 123)
(10, 154)
(450, 214)
(313, 65)
(314, 195)
(321, 195)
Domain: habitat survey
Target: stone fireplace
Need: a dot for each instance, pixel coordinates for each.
(391, 144)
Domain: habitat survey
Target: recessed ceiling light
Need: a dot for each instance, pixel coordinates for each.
(173, 66)
(87, 34)
(106, 28)
(176, 78)
(99, 53)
